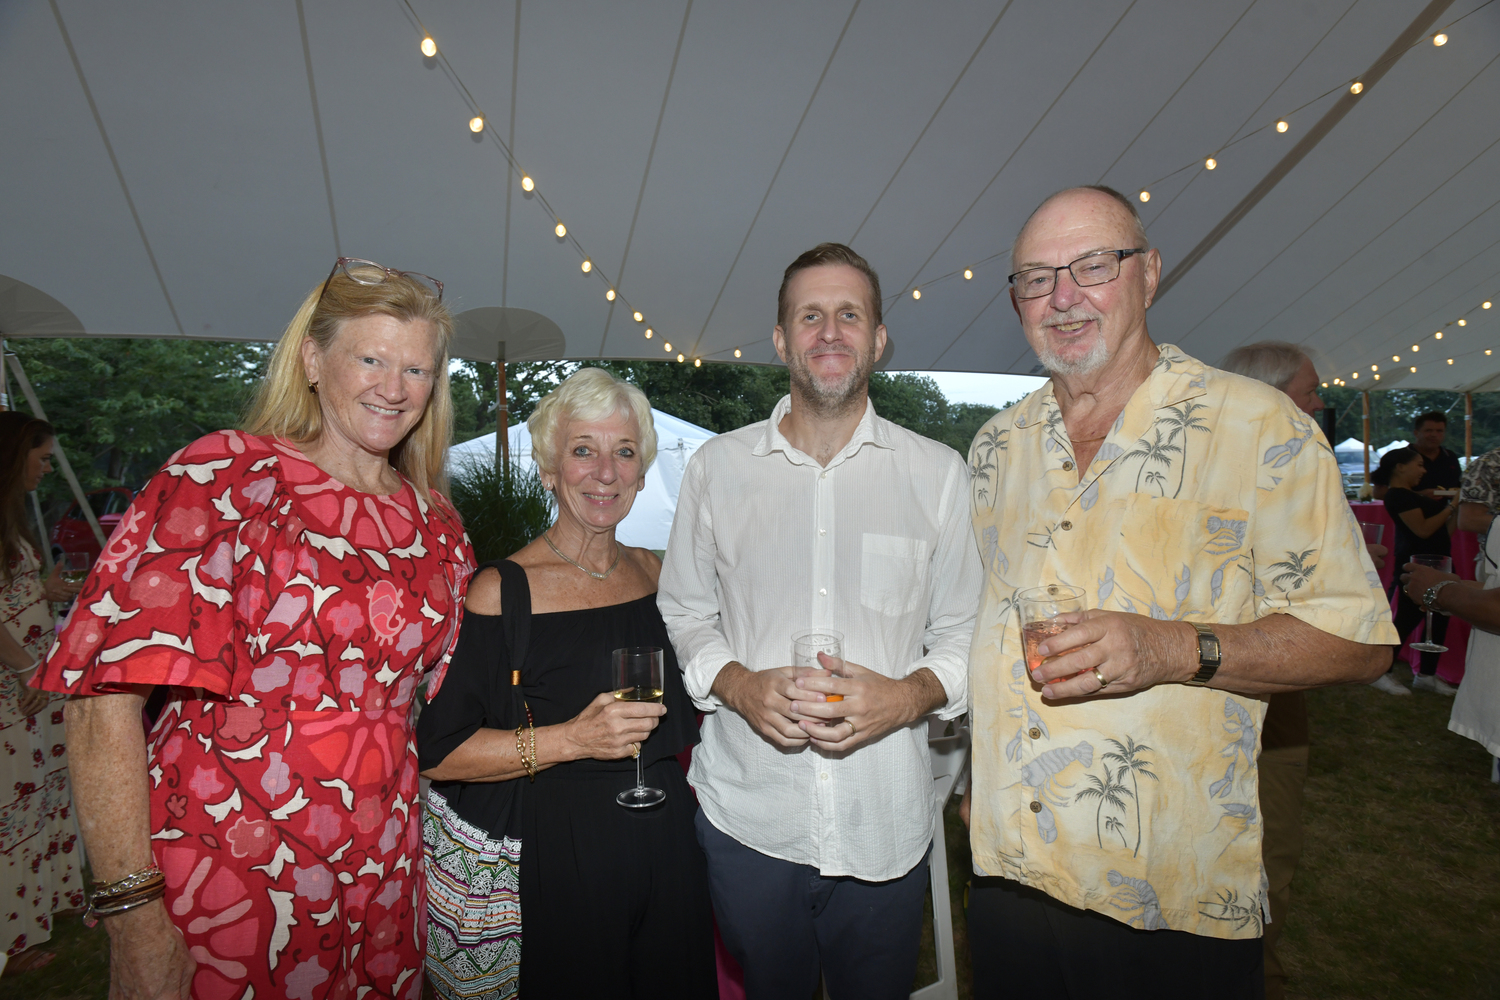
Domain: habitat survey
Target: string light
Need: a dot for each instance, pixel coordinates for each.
(680, 359)
(1282, 126)
(697, 362)
(916, 293)
(1377, 378)
(1414, 369)
(429, 47)
(1325, 385)
(1145, 196)
(1415, 348)
(1210, 163)
(1439, 335)
(1356, 87)
(649, 332)
(968, 273)
(737, 352)
(1355, 375)
(667, 346)
(609, 296)
(1374, 368)
(587, 265)
(561, 230)
(1486, 352)
(639, 316)
(1486, 304)
(1395, 357)
(1439, 39)
(527, 184)
(1450, 361)
(476, 124)
(1463, 322)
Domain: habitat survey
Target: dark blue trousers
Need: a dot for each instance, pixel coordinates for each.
(784, 923)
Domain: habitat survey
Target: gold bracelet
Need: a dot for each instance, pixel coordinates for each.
(521, 747)
(531, 767)
(127, 883)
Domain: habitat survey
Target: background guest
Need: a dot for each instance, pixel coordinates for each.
(1423, 524)
(1479, 495)
(627, 887)
(1442, 470)
(40, 872)
(289, 584)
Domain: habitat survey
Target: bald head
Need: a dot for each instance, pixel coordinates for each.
(1102, 199)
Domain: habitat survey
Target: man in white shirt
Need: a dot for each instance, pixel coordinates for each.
(815, 785)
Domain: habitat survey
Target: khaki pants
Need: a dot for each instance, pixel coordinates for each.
(1283, 772)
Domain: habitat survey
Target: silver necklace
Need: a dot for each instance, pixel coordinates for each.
(597, 576)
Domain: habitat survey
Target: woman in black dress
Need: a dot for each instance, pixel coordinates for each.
(1422, 528)
(614, 901)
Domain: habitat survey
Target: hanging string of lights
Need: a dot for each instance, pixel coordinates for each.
(1281, 124)
(479, 124)
(1416, 348)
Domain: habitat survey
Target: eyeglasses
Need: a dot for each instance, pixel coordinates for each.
(1090, 269)
(367, 272)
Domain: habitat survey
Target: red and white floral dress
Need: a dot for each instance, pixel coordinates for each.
(293, 618)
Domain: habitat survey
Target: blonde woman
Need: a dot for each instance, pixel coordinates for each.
(289, 583)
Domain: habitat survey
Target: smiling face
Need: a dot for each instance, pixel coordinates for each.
(1077, 331)
(1303, 389)
(830, 342)
(38, 463)
(1408, 474)
(374, 381)
(599, 470)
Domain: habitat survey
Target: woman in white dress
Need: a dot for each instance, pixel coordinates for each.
(40, 868)
(1476, 707)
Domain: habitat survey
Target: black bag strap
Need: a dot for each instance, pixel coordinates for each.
(515, 612)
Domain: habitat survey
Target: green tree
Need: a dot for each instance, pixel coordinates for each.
(122, 406)
(1392, 412)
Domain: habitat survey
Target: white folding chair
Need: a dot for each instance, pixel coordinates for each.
(950, 755)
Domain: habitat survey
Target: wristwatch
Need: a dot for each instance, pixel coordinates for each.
(1429, 599)
(1209, 655)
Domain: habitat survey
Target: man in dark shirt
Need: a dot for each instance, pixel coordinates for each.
(1443, 471)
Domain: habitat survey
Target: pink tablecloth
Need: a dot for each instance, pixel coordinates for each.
(1465, 553)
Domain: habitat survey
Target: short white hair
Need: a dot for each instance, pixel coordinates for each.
(1274, 362)
(588, 394)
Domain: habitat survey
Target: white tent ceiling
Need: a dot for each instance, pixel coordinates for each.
(191, 169)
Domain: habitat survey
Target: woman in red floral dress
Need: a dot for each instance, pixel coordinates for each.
(290, 596)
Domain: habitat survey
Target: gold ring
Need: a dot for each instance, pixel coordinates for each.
(852, 730)
(1102, 682)
(637, 751)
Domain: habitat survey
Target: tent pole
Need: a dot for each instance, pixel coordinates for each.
(1468, 428)
(1365, 398)
(502, 415)
(58, 453)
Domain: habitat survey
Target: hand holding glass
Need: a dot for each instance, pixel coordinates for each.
(75, 566)
(638, 677)
(1443, 564)
(1039, 609)
(807, 645)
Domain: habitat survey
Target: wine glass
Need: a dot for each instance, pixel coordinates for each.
(1039, 608)
(808, 644)
(1373, 533)
(638, 677)
(75, 566)
(1442, 564)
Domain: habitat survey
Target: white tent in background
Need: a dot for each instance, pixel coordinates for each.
(1354, 445)
(650, 519)
(1391, 447)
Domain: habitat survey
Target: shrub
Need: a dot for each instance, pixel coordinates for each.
(501, 511)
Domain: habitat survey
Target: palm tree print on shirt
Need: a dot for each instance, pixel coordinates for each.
(1108, 792)
(1128, 756)
(1157, 452)
(1295, 570)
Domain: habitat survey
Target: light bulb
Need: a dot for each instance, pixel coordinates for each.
(1356, 87)
(1377, 378)
(1415, 348)
(638, 316)
(1450, 361)
(1463, 322)
(1395, 357)
(968, 274)
(587, 265)
(1486, 304)
(1325, 385)
(1486, 352)
(1282, 126)
(429, 47)
(1210, 163)
(1145, 196)
(667, 346)
(1374, 368)
(1355, 375)
(527, 184)
(561, 230)
(1439, 335)
(680, 359)
(610, 295)
(697, 362)
(916, 293)
(476, 124)
(649, 332)
(737, 352)
(1439, 39)
(1414, 368)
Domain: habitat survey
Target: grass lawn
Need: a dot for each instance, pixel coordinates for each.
(1398, 893)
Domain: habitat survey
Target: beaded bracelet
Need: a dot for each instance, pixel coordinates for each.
(531, 768)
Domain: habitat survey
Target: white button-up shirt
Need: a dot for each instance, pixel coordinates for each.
(766, 543)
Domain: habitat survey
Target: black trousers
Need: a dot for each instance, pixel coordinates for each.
(1024, 943)
(1408, 617)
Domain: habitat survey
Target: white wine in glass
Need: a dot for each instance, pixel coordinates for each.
(73, 567)
(638, 672)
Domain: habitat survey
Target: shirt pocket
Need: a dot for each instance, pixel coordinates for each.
(1180, 560)
(892, 573)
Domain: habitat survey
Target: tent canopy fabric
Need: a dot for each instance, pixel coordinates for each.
(650, 519)
(692, 150)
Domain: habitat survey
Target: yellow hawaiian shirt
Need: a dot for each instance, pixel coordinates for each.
(1213, 499)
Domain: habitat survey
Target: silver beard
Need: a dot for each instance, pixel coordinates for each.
(1096, 358)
